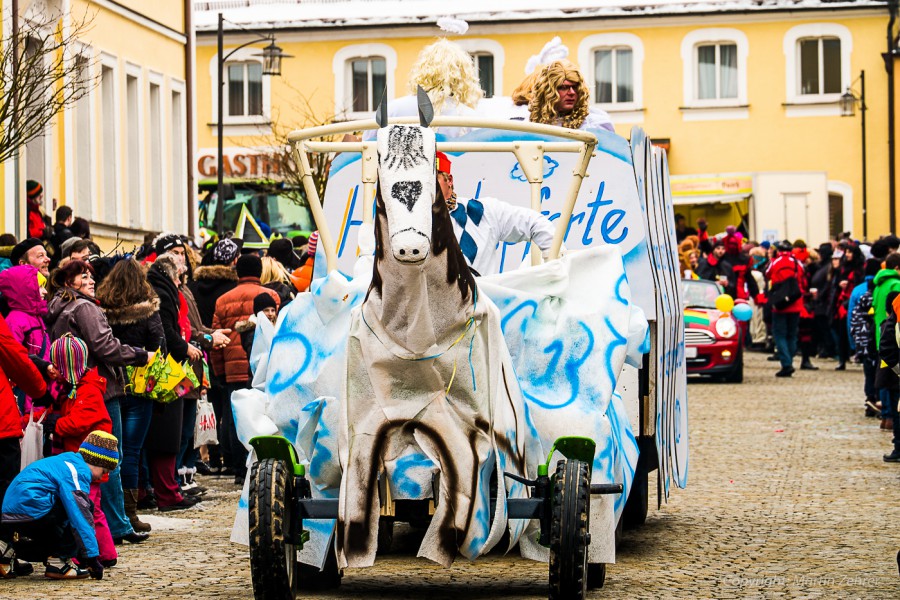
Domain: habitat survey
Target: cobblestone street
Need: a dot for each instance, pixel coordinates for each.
(788, 497)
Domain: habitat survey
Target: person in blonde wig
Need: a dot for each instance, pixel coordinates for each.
(447, 74)
(560, 97)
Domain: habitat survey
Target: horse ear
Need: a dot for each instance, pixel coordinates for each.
(426, 110)
(381, 114)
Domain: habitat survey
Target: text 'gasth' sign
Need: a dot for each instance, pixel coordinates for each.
(246, 165)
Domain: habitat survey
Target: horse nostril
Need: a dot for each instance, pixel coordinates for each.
(403, 252)
(415, 251)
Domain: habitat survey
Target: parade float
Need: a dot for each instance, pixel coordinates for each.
(527, 405)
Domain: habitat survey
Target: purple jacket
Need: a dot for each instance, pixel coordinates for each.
(19, 287)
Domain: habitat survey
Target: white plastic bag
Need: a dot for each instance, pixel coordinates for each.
(205, 426)
(33, 440)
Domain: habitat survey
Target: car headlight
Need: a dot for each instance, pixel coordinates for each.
(726, 327)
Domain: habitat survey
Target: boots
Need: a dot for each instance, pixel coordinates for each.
(131, 512)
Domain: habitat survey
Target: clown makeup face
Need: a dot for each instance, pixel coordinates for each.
(568, 97)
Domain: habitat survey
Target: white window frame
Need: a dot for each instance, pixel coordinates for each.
(110, 61)
(487, 46)
(244, 55)
(135, 180)
(180, 213)
(689, 58)
(157, 79)
(792, 61)
(73, 154)
(602, 41)
(343, 85)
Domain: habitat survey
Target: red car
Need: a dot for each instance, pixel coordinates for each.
(712, 339)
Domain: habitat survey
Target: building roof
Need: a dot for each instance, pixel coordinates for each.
(318, 14)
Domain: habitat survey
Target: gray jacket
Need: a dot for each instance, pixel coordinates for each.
(72, 312)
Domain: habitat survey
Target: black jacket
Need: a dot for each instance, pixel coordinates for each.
(209, 284)
(168, 312)
(888, 352)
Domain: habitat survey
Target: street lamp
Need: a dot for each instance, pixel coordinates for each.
(271, 56)
(848, 109)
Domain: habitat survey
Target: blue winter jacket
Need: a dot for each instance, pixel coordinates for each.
(64, 477)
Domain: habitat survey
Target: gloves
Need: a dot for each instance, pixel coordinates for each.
(50, 422)
(45, 400)
(95, 567)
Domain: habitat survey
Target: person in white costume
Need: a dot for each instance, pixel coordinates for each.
(446, 72)
(480, 224)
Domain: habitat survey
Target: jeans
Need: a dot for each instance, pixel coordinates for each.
(112, 499)
(784, 329)
(136, 414)
(187, 455)
(888, 399)
(238, 452)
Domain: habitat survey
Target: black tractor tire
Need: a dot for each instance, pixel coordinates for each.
(385, 534)
(736, 375)
(274, 568)
(635, 513)
(570, 530)
(596, 575)
(311, 579)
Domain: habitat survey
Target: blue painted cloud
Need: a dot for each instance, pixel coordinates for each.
(549, 167)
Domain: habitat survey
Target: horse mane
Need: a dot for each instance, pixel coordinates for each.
(442, 239)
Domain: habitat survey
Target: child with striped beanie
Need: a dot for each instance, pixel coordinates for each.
(82, 425)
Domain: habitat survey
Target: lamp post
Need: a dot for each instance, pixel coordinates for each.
(271, 56)
(848, 109)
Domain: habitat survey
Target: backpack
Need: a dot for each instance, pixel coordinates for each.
(786, 292)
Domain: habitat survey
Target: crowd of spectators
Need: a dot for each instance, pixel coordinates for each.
(74, 322)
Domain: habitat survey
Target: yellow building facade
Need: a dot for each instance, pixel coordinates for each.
(118, 156)
(746, 98)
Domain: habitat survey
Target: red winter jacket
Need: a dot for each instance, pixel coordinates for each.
(783, 267)
(15, 369)
(82, 414)
(231, 307)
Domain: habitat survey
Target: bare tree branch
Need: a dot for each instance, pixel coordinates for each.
(302, 115)
(40, 75)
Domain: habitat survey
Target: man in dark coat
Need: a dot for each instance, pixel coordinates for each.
(61, 233)
(715, 268)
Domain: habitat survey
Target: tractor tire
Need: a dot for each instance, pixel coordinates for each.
(569, 531)
(273, 562)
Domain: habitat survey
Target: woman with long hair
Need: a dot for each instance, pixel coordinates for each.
(276, 278)
(74, 309)
(132, 310)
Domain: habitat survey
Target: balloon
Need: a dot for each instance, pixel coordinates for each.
(743, 312)
(740, 301)
(725, 303)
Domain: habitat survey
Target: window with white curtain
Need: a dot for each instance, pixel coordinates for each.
(244, 92)
(820, 65)
(613, 75)
(368, 79)
(612, 66)
(717, 71)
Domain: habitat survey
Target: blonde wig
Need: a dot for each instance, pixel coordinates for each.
(272, 270)
(545, 96)
(445, 70)
(521, 96)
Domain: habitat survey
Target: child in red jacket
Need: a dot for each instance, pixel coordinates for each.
(82, 411)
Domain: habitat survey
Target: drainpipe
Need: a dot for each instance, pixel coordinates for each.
(889, 66)
(14, 37)
(189, 114)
